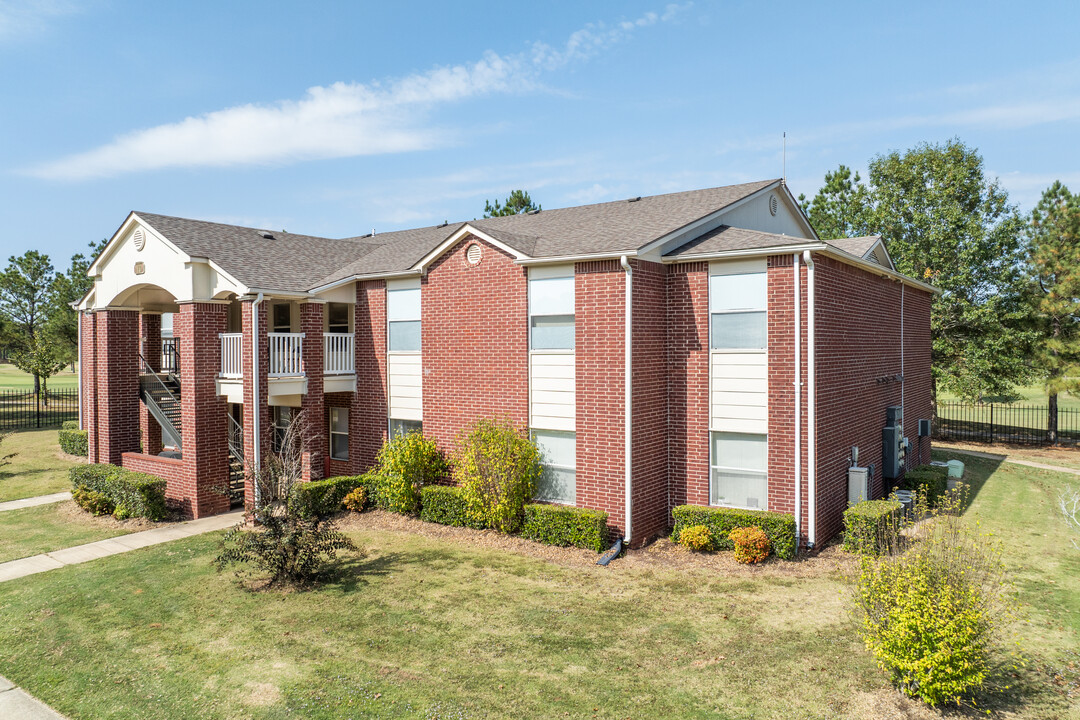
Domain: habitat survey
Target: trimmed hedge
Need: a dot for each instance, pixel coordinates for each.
(69, 425)
(134, 494)
(322, 498)
(871, 527)
(74, 442)
(566, 526)
(929, 479)
(446, 505)
(778, 527)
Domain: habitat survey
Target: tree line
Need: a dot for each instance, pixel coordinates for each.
(38, 325)
(1009, 311)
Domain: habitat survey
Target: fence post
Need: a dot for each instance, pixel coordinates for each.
(991, 423)
(37, 398)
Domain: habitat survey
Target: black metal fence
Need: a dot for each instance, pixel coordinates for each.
(1019, 424)
(25, 409)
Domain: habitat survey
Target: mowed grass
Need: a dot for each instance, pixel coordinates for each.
(38, 468)
(45, 528)
(12, 377)
(1024, 395)
(428, 627)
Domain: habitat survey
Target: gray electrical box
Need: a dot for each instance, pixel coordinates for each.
(858, 485)
(924, 428)
(893, 445)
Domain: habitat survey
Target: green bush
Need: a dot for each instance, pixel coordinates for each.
(566, 526)
(133, 494)
(931, 482)
(74, 442)
(323, 498)
(497, 467)
(778, 527)
(405, 464)
(872, 527)
(446, 506)
(92, 502)
(69, 425)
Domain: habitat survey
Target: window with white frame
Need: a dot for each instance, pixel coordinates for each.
(403, 316)
(558, 451)
(551, 308)
(737, 311)
(399, 428)
(339, 433)
(282, 419)
(739, 475)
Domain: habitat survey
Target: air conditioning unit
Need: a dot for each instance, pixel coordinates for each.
(858, 485)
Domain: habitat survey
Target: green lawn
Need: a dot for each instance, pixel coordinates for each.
(1025, 395)
(443, 627)
(13, 377)
(37, 469)
(53, 527)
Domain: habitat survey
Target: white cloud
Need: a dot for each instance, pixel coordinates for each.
(340, 120)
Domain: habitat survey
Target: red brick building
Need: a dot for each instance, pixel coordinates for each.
(701, 347)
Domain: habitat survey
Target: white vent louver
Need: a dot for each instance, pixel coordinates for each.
(474, 254)
(139, 239)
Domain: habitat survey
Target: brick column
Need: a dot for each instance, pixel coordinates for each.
(253, 404)
(150, 337)
(89, 381)
(117, 396)
(315, 440)
(204, 426)
(368, 419)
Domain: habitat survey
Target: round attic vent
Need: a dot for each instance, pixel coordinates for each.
(774, 204)
(474, 254)
(139, 238)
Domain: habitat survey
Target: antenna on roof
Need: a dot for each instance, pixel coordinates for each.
(784, 176)
(372, 232)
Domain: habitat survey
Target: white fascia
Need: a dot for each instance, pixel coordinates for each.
(462, 232)
(365, 276)
(114, 241)
(563, 259)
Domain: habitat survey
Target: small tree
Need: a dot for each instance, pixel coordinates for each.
(404, 465)
(519, 202)
(289, 549)
(5, 459)
(25, 286)
(497, 467)
(39, 358)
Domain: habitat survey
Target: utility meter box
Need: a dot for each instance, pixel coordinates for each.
(858, 485)
(893, 444)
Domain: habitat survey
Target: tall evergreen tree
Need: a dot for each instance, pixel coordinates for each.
(519, 202)
(1054, 260)
(25, 287)
(840, 208)
(69, 287)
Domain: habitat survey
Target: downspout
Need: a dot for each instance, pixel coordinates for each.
(811, 405)
(80, 379)
(798, 397)
(627, 388)
(256, 410)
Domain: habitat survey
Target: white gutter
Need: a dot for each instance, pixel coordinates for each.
(560, 259)
(627, 388)
(80, 319)
(255, 403)
(748, 252)
(365, 276)
(796, 282)
(811, 405)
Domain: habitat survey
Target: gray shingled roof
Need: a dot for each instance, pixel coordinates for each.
(857, 246)
(726, 238)
(301, 262)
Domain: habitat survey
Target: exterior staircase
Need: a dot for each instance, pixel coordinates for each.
(160, 392)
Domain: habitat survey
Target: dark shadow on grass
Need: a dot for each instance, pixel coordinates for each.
(977, 470)
(1015, 690)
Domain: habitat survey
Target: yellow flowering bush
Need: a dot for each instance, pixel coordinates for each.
(404, 465)
(356, 499)
(696, 537)
(751, 545)
(497, 467)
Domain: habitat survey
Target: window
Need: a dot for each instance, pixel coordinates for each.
(739, 470)
(339, 433)
(737, 307)
(403, 316)
(337, 318)
(551, 309)
(558, 451)
(282, 418)
(404, 427)
(282, 317)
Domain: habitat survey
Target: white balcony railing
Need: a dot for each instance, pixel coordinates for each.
(286, 354)
(232, 355)
(338, 353)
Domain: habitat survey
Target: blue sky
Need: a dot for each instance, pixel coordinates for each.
(336, 118)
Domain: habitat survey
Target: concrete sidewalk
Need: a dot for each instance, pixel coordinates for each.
(114, 546)
(17, 704)
(33, 501)
(1006, 458)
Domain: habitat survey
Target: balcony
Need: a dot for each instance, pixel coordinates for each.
(232, 355)
(338, 354)
(286, 354)
(286, 373)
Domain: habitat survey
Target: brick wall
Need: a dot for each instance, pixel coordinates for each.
(251, 403)
(599, 301)
(474, 337)
(858, 361)
(88, 382)
(116, 374)
(171, 470)
(687, 291)
(315, 441)
(351, 466)
(368, 413)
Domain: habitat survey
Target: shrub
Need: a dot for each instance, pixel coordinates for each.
(356, 500)
(133, 494)
(92, 502)
(932, 615)
(751, 545)
(872, 527)
(69, 425)
(446, 506)
(778, 527)
(932, 482)
(566, 526)
(73, 442)
(322, 498)
(696, 537)
(497, 467)
(404, 465)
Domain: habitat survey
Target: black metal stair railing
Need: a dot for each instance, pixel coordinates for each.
(162, 399)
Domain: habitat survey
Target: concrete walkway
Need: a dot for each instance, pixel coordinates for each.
(1006, 458)
(31, 502)
(114, 546)
(17, 704)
